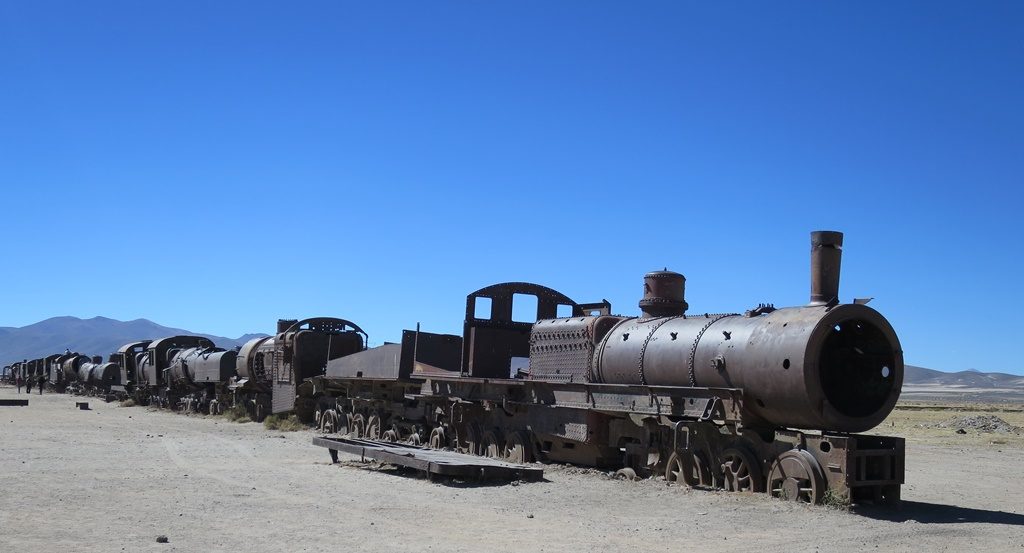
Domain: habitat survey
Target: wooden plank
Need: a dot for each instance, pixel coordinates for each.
(431, 461)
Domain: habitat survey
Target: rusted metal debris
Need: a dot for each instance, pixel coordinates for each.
(432, 462)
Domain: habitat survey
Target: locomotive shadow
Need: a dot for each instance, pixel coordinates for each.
(937, 513)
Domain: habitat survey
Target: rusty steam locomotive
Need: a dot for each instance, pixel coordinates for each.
(766, 401)
(769, 400)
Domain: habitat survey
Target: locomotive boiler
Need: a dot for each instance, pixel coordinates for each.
(822, 366)
(71, 366)
(196, 376)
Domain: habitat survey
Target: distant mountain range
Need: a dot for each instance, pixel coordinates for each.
(967, 379)
(971, 385)
(95, 336)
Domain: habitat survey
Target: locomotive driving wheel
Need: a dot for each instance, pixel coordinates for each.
(438, 439)
(340, 421)
(332, 422)
(693, 470)
(740, 471)
(518, 448)
(329, 421)
(373, 427)
(357, 425)
(389, 436)
(492, 444)
(797, 476)
(473, 437)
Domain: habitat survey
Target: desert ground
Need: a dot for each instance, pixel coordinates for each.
(114, 478)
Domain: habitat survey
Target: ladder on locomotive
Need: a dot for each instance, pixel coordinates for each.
(275, 367)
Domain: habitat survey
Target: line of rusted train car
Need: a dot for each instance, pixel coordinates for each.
(769, 400)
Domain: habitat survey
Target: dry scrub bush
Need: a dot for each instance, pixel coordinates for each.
(237, 413)
(277, 422)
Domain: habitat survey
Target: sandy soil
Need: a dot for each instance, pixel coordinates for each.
(114, 478)
(943, 393)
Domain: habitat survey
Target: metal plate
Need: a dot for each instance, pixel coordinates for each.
(431, 461)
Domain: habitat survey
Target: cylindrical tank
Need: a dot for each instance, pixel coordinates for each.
(178, 365)
(664, 294)
(85, 372)
(106, 375)
(802, 367)
(200, 365)
(213, 366)
(248, 363)
(71, 365)
(99, 375)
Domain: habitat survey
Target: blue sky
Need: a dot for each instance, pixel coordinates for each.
(217, 165)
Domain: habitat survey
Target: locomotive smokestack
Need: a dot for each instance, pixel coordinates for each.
(664, 294)
(826, 258)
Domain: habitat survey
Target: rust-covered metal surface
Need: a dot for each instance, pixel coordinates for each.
(492, 336)
(302, 350)
(433, 462)
(764, 401)
(249, 363)
(838, 368)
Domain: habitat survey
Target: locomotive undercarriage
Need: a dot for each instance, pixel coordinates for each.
(694, 436)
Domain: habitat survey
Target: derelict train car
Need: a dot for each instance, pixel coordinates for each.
(56, 374)
(767, 401)
(47, 368)
(264, 375)
(152, 366)
(271, 370)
